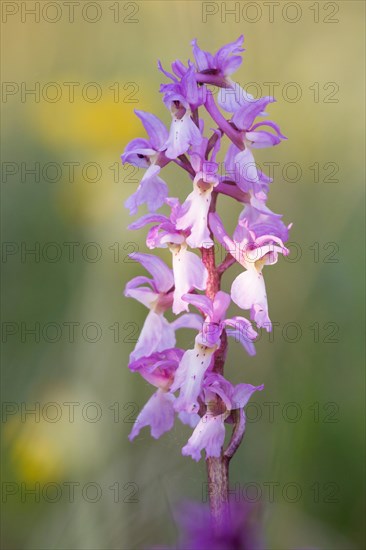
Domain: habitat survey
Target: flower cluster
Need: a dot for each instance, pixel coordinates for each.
(191, 383)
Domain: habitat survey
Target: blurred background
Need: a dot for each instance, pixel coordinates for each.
(72, 76)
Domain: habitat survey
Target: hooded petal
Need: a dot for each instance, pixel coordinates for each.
(162, 275)
(164, 235)
(241, 168)
(233, 97)
(195, 95)
(220, 305)
(179, 68)
(166, 73)
(144, 295)
(219, 232)
(152, 190)
(138, 281)
(263, 223)
(242, 394)
(215, 384)
(158, 368)
(210, 334)
(201, 302)
(187, 320)
(243, 325)
(247, 170)
(158, 413)
(243, 332)
(244, 341)
(155, 129)
(204, 60)
(272, 125)
(245, 116)
(148, 218)
(156, 335)
(222, 56)
(263, 254)
(223, 62)
(137, 151)
(262, 139)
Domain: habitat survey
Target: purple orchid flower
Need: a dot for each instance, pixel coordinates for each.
(196, 362)
(245, 173)
(248, 290)
(241, 162)
(216, 70)
(147, 154)
(157, 334)
(244, 118)
(183, 131)
(183, 86)
(188, 269)
(210, 431)
(223, 63)
(158, 413)
(262, 221)
(194, 211)
(181, 98)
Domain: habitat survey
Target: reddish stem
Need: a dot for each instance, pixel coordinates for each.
(238, 433)
(233, 191)
(184, 163)
(218, 468)
(234, 135)
(228, 262)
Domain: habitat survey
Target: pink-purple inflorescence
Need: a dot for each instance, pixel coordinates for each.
(188, 383)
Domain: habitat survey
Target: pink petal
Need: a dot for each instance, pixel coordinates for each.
(158, 413)
(209, 435)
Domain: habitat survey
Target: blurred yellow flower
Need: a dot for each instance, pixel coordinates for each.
(93, 136)
(106, 124)
(49, 444)
(35, 455)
